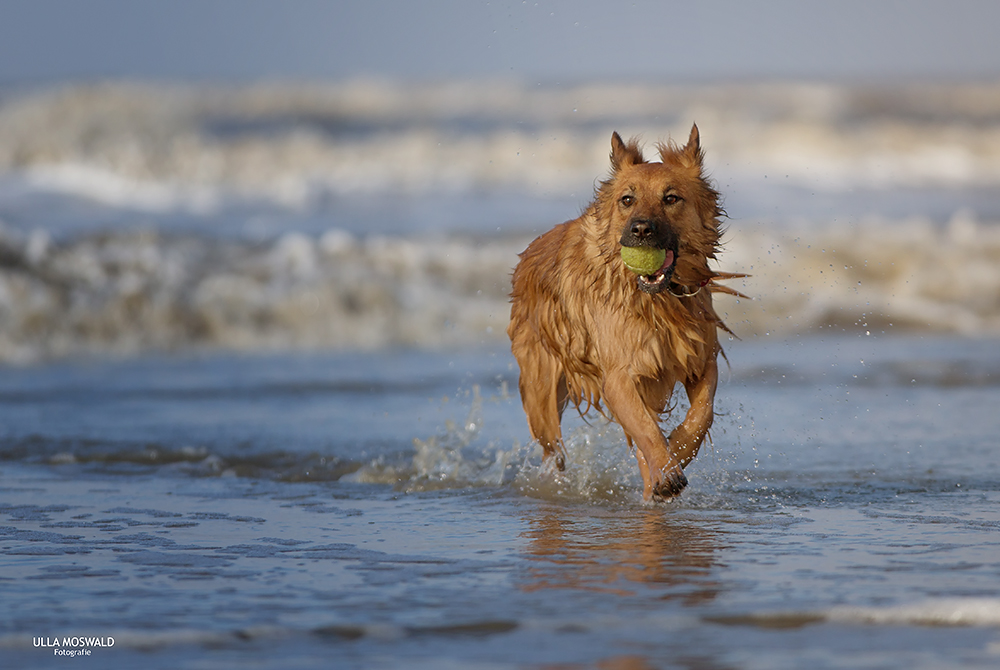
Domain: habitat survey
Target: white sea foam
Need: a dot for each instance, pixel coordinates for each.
(937, 612)
(194, 147)
(872, 276)
(325, 151)
(113, 188)
(136, 291)
(945, 612)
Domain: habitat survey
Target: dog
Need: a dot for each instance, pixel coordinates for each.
(585, 329)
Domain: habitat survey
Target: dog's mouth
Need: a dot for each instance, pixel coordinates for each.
(645, 239)
(659, 280)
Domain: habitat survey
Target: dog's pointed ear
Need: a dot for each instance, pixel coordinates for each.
(624, 154)
(692, 150)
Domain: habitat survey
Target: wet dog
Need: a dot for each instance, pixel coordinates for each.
(586, 329)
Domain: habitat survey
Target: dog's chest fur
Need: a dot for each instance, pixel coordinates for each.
(597, 320)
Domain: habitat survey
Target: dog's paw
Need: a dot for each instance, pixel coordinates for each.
(555, 461)
(671, 483)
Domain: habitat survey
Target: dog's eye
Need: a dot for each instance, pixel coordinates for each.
(627, 200)
(671, 199)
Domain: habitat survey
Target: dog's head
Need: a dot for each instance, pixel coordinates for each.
(667, 205)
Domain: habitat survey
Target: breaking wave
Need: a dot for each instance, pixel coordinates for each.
(138, 218)
(138, 291)
(959, 612)
(120, 293)
(161, 147)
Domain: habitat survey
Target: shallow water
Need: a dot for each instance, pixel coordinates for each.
(382, 510)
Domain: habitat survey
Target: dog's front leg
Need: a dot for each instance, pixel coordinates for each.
(662, 474)
(543, 394)
(686, 438)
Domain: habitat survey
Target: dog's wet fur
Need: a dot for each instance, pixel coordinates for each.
(585, 329)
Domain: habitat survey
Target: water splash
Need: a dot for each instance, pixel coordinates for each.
(600, 466)
(454, 458)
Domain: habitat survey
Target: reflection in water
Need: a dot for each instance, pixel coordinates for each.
(614, 552)
(625, 662)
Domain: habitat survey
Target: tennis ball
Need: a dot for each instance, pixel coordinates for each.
(643, 260)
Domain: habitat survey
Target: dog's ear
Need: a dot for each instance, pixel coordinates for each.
(624, 154)
(690, 155)
(692, 150)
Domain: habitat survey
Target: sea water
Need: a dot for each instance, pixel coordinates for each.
(257, 407)
(385, 509)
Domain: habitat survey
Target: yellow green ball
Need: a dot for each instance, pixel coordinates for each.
(643, 260)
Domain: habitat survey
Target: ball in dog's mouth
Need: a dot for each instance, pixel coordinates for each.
(651, 280)
(643, 260)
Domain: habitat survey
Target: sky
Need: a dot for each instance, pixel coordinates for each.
(547, 41)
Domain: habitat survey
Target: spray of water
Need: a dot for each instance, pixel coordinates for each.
(600, 467)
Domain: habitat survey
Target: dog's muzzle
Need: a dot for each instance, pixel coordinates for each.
(658, 235)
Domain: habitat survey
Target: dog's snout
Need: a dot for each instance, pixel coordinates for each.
(640, 232)
(642, 229)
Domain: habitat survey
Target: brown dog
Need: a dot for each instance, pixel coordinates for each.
(586, 329)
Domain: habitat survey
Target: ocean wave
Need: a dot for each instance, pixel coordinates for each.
(194, 147)
(368, 257)
(135, 291)
(965, 612)
(872, 276)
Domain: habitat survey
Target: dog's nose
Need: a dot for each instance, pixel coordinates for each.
(642, 229)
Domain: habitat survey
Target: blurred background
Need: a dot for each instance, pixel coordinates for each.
(256, 175)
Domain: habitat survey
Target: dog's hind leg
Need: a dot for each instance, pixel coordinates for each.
(543, 394)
